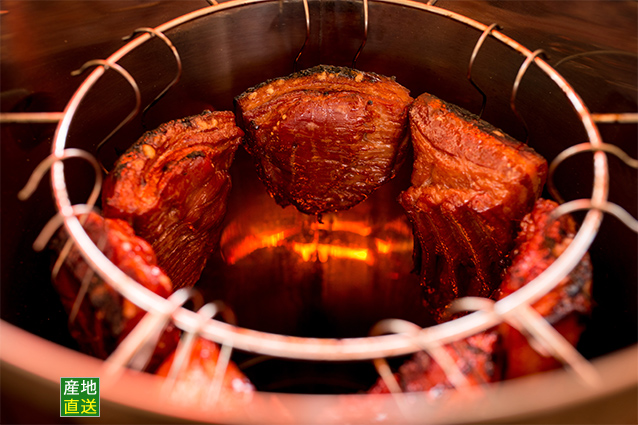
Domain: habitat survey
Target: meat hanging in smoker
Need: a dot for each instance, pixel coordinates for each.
(105, 317)
(323, 139)
(539, 243)
(471, 186)
(195, 380)
(172, 187)
(478, 357)
(503, 352)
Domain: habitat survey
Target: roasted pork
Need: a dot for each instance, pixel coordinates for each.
(172, 187)
(105, 317)
(323, 139)
(567, 307)
(504, 352)
(476, 357)
(471, 186)
(195, 380)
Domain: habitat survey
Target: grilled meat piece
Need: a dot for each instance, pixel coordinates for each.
(538, 244)
(471, 186)
(477, 357)
(505, 353)
(323, 139)
(105, 317)
(172, 187)
(195, 379)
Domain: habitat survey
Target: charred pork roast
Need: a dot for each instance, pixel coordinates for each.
(539, 243)
(323, 139)
(471, 186)
(172, 187)
(477, 357)
(105, 317)
(503, 352)
(198, 374)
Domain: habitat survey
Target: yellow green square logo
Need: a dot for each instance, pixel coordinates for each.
(80, 397)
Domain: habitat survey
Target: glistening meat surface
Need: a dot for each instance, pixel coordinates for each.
(504, 352)
(476, 357)
(105, 317)
(539, 243)
(325, 138)
(172, 187)
(199, 371)
(471, 186)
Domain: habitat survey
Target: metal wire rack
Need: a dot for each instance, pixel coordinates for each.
(390, 338)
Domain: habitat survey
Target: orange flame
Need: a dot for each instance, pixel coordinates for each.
(322, 252)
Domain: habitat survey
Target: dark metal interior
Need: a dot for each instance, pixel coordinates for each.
(329, 294)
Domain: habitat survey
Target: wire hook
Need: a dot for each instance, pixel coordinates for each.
(34, 181)
(366, 21)
(223, 359)
(477, 47)
(45, 165)
(56, 222)
(517, 82)
(138, 97)
(86, 279)
(178, 61)
(185, 347)
(608, 207)
(433, 349)
(586, 204)
(307, 15)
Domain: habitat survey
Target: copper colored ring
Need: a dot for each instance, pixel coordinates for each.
(364, 348)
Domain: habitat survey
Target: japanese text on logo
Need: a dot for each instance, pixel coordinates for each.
(80, 397)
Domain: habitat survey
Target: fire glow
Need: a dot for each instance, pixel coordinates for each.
(322, 252)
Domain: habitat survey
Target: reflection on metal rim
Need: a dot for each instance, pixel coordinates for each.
(513, 400)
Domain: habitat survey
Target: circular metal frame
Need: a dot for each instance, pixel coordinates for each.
(326, 349)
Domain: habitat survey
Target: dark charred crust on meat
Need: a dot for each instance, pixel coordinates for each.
(478, 357)
(540, 242)
(169, 163)
(149, 137)
(117, 171)
(187, 122)
(196, 154)
(339, 71)
(482, 125)
(105, 302)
